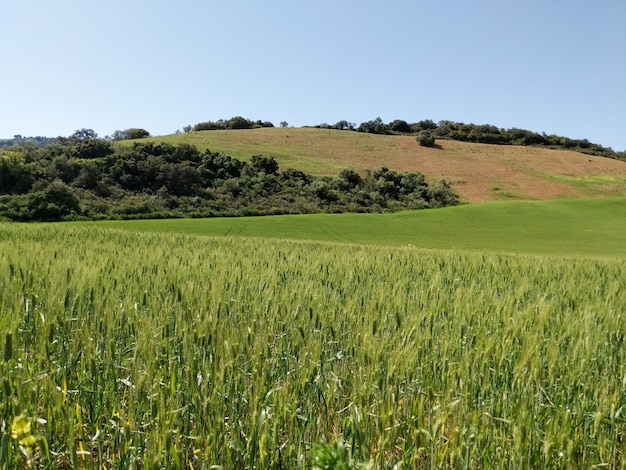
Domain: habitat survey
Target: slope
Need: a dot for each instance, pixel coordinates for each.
(478, 172)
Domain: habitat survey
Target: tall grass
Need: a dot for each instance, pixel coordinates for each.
(140, 350)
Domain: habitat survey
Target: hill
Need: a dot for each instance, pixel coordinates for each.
(478, 172)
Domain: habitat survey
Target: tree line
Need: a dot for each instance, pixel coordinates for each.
(84, 177)
(428, 130)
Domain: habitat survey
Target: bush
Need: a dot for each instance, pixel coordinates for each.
(133, 133)
(400, 126)
(426, 139)
(239, 122)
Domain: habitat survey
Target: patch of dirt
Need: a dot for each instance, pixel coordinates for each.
(481, 172)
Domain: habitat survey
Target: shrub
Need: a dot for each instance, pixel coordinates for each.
(426, 139)
(400, 126)
(132, 133)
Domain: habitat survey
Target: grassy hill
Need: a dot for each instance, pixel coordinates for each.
(478, 172)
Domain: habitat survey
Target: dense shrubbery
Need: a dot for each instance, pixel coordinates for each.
(236, 122)
(86, 177)
(37, 141)
(129, 134)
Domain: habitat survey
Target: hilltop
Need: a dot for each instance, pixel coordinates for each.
(478, 172)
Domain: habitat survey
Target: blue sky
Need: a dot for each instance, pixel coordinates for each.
(549, 66)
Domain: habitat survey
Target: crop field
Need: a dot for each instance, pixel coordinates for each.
(573, 227)
(127, 349)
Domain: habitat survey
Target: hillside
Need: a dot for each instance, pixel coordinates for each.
(478, 172)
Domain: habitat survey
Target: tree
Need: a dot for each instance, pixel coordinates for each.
(373, 127)
(239, 122)
(132, 133)
(426, 139)
(284, 124)
(400, 126)
(82, 135)
(424, 125)
(349, 178)
(15, 176)
(265, 165)
(91, 148)
(89, 176)
(56, 201)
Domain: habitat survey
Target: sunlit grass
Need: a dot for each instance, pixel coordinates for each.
(127, 349)
(580, 227)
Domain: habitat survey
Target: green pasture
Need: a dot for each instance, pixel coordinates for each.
(572, 227)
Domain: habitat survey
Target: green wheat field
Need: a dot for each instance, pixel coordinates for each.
(140, 347)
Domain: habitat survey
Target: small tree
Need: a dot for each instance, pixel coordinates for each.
(239, 122)
(426, 139)
(132, 133)
(284, 124)
(400, 126)
(265, 165)
(82, 135)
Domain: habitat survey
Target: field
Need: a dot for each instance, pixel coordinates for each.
(478, 172)
(128, 349)
(573, 227)
(479, 336)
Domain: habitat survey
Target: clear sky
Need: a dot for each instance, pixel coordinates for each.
(556, 66)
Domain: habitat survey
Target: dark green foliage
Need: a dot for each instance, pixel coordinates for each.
(132, 133)
(55, 202)
(374, 127)
(236, 122)
(15, 175)
(264, 165)
(38, 141)
(425, 125)
(489, 134)
(239, 123)
(349, 178)
(81, 135)
(90, 148)
(426, 139)
(400, 126)
(85, 178)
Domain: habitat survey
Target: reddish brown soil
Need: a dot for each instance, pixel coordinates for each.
(481, 172)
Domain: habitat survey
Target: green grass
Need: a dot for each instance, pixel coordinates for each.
(295, 148)
(594, 185)
(580, 227)
(122, 349)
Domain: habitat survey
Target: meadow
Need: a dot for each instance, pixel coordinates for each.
(128, 349)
